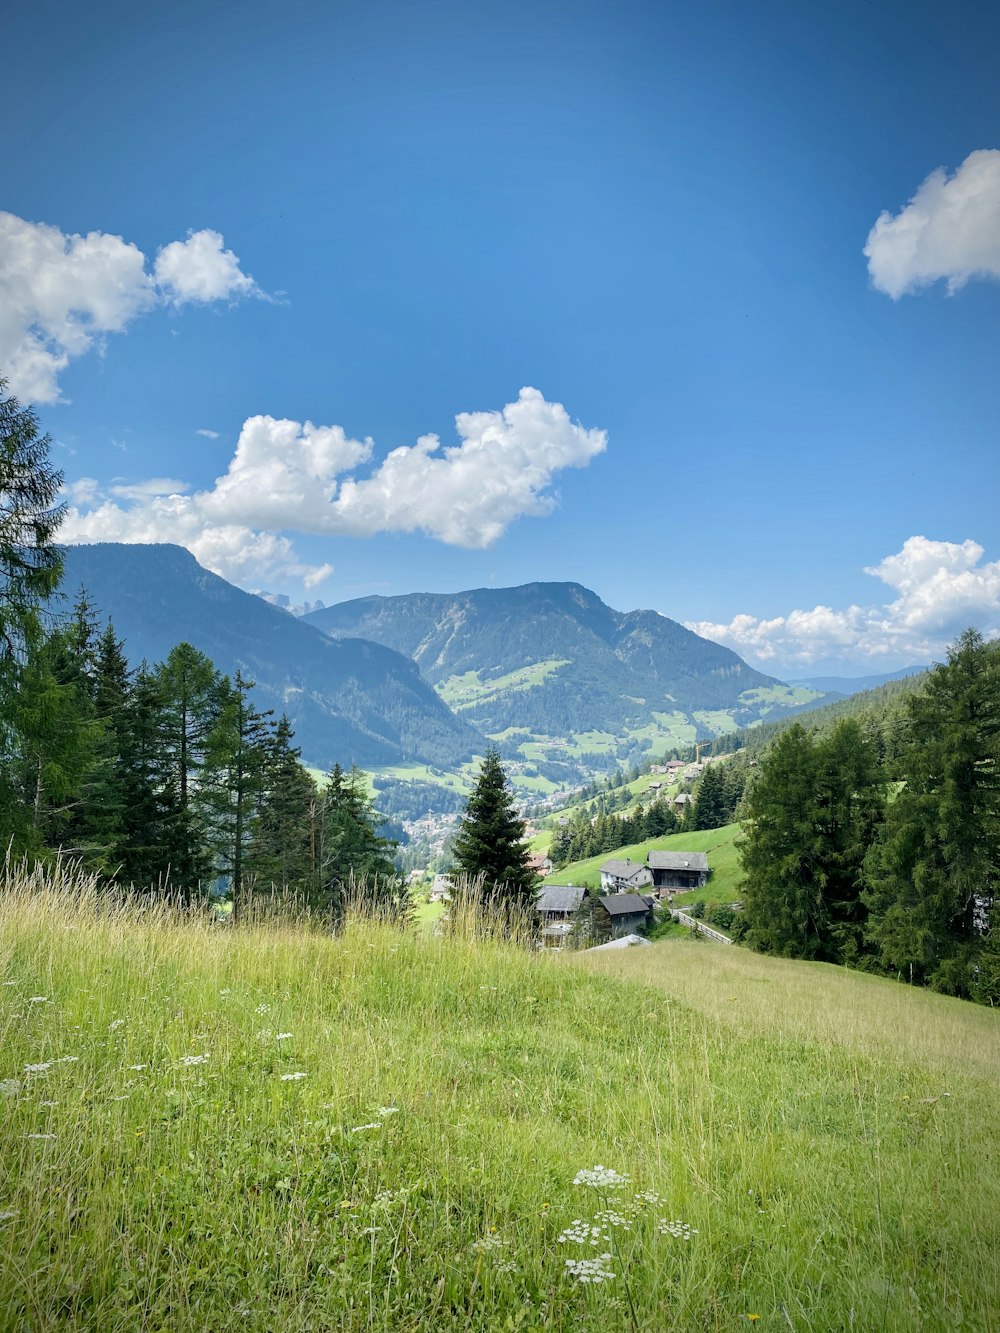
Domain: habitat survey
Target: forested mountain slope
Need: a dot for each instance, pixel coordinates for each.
(349, 700)
(553, 659)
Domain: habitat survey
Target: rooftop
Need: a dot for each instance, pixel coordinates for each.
(677, 861)
(624, 904)
(560, 898)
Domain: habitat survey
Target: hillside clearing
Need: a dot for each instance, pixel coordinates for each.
(719, 844)
(271, 1128)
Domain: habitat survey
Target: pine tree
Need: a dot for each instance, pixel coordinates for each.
(30, 568)
(811, 818)
(490, 843)
(355, 861)
(151, 811)
(191, 697)
(710, 802)
(233, 780)
(30, 562)
(284, 850)
(933, 874)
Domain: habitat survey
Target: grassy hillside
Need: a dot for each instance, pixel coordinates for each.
(271, 1129)
(720, 844)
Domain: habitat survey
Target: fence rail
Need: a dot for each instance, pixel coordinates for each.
(695, 924)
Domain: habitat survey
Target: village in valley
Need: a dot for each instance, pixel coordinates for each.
(625, 900)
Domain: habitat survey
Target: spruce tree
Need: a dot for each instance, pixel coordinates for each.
(490, 842)
(811, 818)
(355, 859)
(710, 806)
(191, 695)
(233, 780)
(933, 874)
(284, 847)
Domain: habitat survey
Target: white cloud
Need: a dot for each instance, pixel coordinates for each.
(61, 295)
(941, 587)
(199, 269)
(287, 476)
(146, 490)
(208, 434)
(949, 229)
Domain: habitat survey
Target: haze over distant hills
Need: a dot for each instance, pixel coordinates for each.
(348, 700)
(551, 663)
(855, 684)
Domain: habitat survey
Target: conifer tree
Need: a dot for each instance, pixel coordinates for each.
(933, 875)
(233, 780)
(811, 818)
(490, 842)
(191, 697)
(284, 851)
(710, 807)
(354, 857)
(30, 514)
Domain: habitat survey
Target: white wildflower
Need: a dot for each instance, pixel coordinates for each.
(10, 1087)
(7, 1214)
(136, 1068)
(356, 1129)
(283, 1036)
(39, 1136)
(591, 1270)
(115, 1024)
(678, 1229)
(10, 983)
(263, 1009)
(38, 1069)
(225, 991)
(600, 1178)
(648, 1196)
(48, 1103)
(610, 1218)
(582, 1233)
(488, 1242)
(287, 1078)
(66, 1060)
(38, 999)
(188, 1060)
(387, 1110)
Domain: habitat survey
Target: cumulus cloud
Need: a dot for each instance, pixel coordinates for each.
(950, 229)
(147, 489)
(200, 269)
(290, 476)
(61, 295)
(941, 587)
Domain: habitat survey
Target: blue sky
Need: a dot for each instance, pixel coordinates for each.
(654, 215)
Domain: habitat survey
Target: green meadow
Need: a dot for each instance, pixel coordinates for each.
(718, 843)
(264, 1128)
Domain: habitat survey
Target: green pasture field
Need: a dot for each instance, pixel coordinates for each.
(265, 1127)
(720, 845)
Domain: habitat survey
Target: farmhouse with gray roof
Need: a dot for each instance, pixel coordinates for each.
(676, 872)
(623, 914)
(557, 905)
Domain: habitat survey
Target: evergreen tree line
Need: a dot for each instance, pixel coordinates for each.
(887, 862)
(167, 777)
(595, 829)
(163, 778)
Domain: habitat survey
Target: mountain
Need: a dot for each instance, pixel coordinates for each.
(855, 684)
(349, 700)
(557, 665)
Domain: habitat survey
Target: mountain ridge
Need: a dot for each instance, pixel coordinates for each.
(350, 700)
(552, 659)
